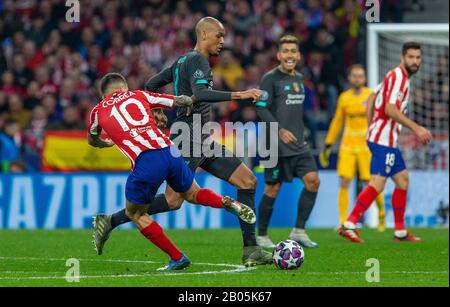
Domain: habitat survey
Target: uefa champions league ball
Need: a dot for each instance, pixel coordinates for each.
(288, 255)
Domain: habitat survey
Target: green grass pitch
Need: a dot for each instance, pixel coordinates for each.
(38, 258)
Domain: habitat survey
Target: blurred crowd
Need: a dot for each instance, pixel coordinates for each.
(50, 68)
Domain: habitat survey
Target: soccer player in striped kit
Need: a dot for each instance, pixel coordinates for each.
(127, 119)
(386, 111)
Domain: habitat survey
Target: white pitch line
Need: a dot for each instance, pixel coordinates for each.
(236, 269)
(112, 260)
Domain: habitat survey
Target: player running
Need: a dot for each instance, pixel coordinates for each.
(354, 155)
(387, 109)
(282, 102)
(191, 75)
(126, 117)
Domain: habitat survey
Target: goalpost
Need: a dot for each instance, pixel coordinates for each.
(429, 100)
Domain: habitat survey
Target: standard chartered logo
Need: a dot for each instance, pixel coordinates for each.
(295, 98)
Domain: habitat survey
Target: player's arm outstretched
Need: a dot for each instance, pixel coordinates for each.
(161, 118)
(163, 101)
(198, 69)
(422, 133)
(158, 101)
(162, 79)
(159, 80)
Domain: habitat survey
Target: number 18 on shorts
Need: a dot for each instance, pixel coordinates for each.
(386, 161)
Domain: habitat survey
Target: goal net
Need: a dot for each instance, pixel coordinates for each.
(429, 99)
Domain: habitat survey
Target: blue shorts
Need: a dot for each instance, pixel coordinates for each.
(151, 169)
(386, 161)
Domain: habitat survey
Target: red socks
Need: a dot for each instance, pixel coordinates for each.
(155, 234)
(363, 202)
(399, 207)
(368, 195)
(208, 198)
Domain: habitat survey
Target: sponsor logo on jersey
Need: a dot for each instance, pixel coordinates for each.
(296, 87)
(137, 131)
(295, 98)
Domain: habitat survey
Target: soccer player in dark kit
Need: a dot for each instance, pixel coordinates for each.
(191, 75)
(282, 102)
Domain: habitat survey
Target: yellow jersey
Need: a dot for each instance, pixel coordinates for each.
(350, 114)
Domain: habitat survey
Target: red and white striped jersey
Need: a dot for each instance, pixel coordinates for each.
(395, 90)
(128, 120)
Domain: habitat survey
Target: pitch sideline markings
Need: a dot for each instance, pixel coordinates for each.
(236, 269)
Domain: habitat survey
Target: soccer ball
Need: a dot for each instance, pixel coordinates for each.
(288, 255)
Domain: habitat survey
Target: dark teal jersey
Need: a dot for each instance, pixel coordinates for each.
(191, 75)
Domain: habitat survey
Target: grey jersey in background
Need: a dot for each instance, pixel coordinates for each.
(282, 101)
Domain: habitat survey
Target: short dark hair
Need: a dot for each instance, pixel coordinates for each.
(411, 45)
(111, 78)
(288, 39)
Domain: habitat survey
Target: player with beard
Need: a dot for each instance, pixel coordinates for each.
(386, 108)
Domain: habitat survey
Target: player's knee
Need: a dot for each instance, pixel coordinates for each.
(345, 183)
(378, 185)
(133, 214)
(253, 181)
(312, 185)
(272, 190)
(403, 183)
(175, 202)
(248, 182)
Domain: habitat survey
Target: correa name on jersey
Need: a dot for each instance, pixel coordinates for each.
(116, 98)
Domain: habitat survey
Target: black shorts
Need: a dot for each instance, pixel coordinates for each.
(289, 168)
(221, 164)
